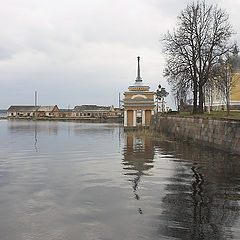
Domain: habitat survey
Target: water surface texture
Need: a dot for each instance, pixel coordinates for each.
(71, 181)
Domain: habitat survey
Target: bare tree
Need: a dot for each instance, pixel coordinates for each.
(193, 49)
(180, 92)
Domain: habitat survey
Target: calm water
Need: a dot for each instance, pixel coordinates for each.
(71, 181)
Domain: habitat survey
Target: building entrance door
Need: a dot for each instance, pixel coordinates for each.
(139, 117)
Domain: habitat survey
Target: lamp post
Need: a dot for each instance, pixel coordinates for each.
(161, 93)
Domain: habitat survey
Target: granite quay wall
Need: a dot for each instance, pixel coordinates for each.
(217, 133)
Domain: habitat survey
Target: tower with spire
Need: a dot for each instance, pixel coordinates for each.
(138, 79)
(138, 102)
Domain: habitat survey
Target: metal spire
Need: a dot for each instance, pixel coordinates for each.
(138, 79)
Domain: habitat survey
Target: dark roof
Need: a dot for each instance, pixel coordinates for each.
(31, 108)
(46, 108)
(65, 110)
(23, 108)
(91, 108)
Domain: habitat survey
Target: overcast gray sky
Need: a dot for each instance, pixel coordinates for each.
(76, 52)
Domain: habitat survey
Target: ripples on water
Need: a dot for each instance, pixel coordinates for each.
(70, 180)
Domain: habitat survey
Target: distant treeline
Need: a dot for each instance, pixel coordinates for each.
(3, 113)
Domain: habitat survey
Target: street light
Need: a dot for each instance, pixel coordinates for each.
(161, 93)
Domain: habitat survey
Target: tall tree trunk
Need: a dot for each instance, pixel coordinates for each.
(228, 102)
(195, 108)
(228, 109)
(200, 106)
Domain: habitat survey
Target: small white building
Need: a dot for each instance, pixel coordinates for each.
(138, 103)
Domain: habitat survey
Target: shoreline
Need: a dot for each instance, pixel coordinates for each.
(221, 134)
(93, 120)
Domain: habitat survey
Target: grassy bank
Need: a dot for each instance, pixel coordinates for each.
(145, 131)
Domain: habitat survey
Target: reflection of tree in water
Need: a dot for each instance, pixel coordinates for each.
(201, 202)
(138, 156)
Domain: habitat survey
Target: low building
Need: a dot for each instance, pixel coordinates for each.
(84, 111)
(94, 111)
(235, 91)
(47, 111)
(217, 100)
(32, 111)
(64, 113)
(22, 111)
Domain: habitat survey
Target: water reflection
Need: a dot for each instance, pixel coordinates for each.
(30, 127)
(35, 137)
(68, 180)
(201, 200)
(138, 155)
(200, 196)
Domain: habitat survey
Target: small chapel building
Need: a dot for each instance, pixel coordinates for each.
(138, 103)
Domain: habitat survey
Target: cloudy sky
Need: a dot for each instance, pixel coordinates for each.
(77, 52)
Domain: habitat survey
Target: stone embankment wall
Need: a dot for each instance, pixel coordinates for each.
(217, 133)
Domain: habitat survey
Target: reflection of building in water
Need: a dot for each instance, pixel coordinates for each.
(202, 195)
(26, 127)
(32, 128)
(138, 157)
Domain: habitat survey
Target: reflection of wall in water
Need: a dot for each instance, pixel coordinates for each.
(138, 155)
(32, 128)
(29, 127)
(202, 196)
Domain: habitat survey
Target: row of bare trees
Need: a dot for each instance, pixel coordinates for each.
(199, 53)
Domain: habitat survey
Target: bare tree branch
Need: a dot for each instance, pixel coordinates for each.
(193, 49)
